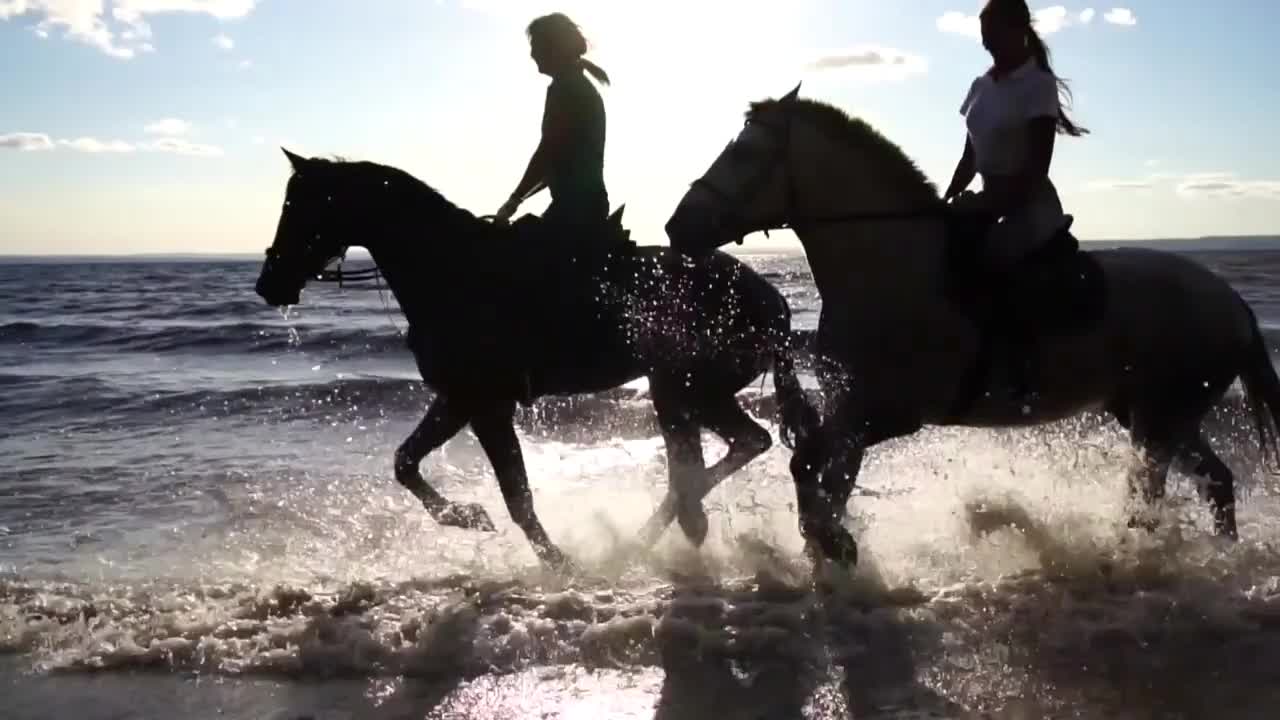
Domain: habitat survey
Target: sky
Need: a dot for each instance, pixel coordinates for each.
(139, 126)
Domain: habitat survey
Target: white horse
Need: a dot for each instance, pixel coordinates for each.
(1150, 337)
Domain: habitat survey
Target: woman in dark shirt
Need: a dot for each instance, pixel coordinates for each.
(569, 160)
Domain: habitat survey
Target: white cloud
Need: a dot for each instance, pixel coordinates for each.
(222, 41)
(178, 146)
(1214, 185)
(168, 126)
(244, 64)
(1051, 19)
(1047, 20)
(879, 61)
(124, 32)
(1120, 16)
(41, 141)
(95, 146)
(24, 140)
(1227, 185)
(1147, 184)
(958, 23)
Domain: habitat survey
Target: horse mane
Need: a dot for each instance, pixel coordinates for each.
(426, 198)
(892, 163)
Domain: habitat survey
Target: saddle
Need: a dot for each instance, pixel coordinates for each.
(1057, 290)
(556, 280)
(612, 235)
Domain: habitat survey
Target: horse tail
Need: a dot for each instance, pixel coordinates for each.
(797, 417)
(1262, 390)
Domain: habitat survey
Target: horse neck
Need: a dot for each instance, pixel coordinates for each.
(408, 248)
(854, 258)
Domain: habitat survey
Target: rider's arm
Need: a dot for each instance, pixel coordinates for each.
(966, 170)
(555, 131)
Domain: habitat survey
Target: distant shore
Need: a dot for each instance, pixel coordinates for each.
(1224, 243)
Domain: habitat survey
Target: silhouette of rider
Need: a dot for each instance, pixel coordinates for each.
(569, 159)
(1012, 113)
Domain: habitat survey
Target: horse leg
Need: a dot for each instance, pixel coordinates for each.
(1219, 491)
(495, 430)
(443, 420)
(1156, 449)
(820, 515)
(686, 468)
(746, 439)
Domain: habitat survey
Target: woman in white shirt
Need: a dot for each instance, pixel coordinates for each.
(1012, 113)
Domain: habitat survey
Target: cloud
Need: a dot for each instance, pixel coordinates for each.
(222, 41)
(1120, 16)
(959, 24)
(178, 146)
(244, 64)
(1121, 184)
(1047, 20)
(1051, 19)
(168, 126)
(25, 141)
(95, 146)
(122, 33)
(1226, 185)
(877, 60)
(1214, 185)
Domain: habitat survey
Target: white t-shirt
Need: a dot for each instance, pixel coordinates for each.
(996, 115)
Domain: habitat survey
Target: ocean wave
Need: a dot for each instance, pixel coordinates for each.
(222, 337)
(1138, 627)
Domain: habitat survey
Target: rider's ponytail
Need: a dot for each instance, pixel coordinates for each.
(556, 30)
(1040, 52)
(595, 70)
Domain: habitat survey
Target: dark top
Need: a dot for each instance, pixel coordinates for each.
(576, 174)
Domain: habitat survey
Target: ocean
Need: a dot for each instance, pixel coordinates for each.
(198, 519)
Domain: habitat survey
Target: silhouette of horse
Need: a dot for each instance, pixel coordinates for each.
(1152, 338)
(498, 316)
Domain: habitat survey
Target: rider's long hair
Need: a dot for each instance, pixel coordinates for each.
(558, 31)
(1018, 14)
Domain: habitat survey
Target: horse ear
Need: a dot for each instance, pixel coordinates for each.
(297, 161)
(791, 96)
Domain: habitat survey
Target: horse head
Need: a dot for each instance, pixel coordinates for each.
(746, 188)
(799, 163)
(316, 226)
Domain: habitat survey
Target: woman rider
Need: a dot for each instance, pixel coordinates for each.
(569, 159)
(1012, 115)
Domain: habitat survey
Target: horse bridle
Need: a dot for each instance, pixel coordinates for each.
(786, 218)
(733, 204)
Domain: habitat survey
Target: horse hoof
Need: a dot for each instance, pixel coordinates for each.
(835, 545)
(695, 525)
(841, 548)
(467, 516)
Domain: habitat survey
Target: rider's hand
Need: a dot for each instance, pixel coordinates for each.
(507, 210)
(969, 200)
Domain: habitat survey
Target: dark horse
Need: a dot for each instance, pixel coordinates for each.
(498, 317)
